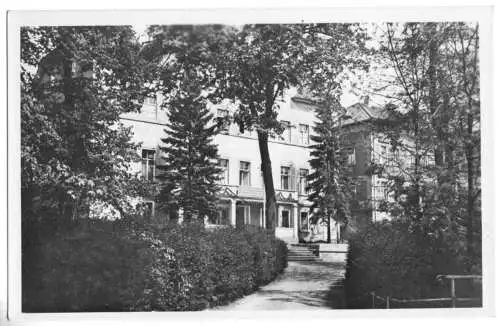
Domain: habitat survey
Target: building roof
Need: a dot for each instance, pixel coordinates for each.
(361, 112)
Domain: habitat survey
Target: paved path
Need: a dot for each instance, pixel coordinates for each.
(303, 286)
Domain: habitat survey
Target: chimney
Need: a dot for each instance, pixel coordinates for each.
(366, 99)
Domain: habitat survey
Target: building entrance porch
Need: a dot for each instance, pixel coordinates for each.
(240, 212)
(287, 227)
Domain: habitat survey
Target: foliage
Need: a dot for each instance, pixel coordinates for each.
(189, 175)
(434, 124)
(330, 182)
(388, 259)
(252, 66)
(76, 81)
(265, 61)
(124, 266)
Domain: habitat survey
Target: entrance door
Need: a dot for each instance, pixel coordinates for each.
(285, 219)
(240, 215)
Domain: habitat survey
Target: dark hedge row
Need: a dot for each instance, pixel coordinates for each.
(392, 261)
(112, 267)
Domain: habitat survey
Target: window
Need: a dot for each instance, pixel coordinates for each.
(150, 101)
(304, 221)
(148, 164)
(75, 69)
(223, 117)
(286, 135)
(285, 219)
(224, 176)
(361, 190)
(382, 191)
(222, 216)
(285, 178)
(304, 134)
(244, 173)
(303, 181)
(383, 154)
(386, 190)
(351, 159)
(149, 209)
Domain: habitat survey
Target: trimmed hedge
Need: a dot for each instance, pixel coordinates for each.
(114, 267)
(392, 261)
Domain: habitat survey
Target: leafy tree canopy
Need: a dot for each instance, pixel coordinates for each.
(76, 81)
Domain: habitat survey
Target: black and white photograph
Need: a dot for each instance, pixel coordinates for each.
(299, 165)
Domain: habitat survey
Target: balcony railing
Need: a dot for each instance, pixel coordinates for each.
(286, 195)
(251, 192)
(257, 193)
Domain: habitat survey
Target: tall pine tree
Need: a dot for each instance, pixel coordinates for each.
(329, 182)
(190, 173)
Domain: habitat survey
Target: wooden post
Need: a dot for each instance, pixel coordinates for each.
(387, 305)
(373, 300)
(453, 296)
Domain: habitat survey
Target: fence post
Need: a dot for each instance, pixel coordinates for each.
(387, 305)
(453, 296)
(373, 299)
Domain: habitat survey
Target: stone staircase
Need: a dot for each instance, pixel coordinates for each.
(302, 252)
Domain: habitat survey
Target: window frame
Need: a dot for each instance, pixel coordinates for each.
(303, 181)
(151, 210)
(290, 224)
(225, 171)
(287, 126)
(301, 228)
(351, 158)
(219, 218)
(225, 123)
(304, 138)
(248, 184)
(150, 100)
(146, 161)
(288, 177)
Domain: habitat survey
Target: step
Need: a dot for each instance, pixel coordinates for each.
(301, 253)
(303, 259)
(309, 252)
(303, 256)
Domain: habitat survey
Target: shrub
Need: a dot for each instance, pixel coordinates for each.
(113, 266)
(392, 261)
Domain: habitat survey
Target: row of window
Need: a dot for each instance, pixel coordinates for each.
(245, 176)
(285, 219)
(286, 136)
(388, 156)
(148, 172)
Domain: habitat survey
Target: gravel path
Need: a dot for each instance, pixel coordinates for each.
(303, 286)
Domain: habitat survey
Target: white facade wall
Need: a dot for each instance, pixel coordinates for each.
(148, 128)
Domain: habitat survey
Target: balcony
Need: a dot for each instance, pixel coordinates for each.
(257, 193)
(286, 195)
(251, 192)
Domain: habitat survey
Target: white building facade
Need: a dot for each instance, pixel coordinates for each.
(242, 195)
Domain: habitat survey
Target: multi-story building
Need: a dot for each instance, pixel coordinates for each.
(371, 151)
(242, 196)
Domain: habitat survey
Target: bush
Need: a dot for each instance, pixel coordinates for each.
(112, 266)
(392, 261)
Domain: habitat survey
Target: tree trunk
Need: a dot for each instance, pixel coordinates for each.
(469, 152)
(329, 232)
(433, 98)
(267, 173)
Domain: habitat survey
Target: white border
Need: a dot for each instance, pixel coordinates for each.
(237, 17)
